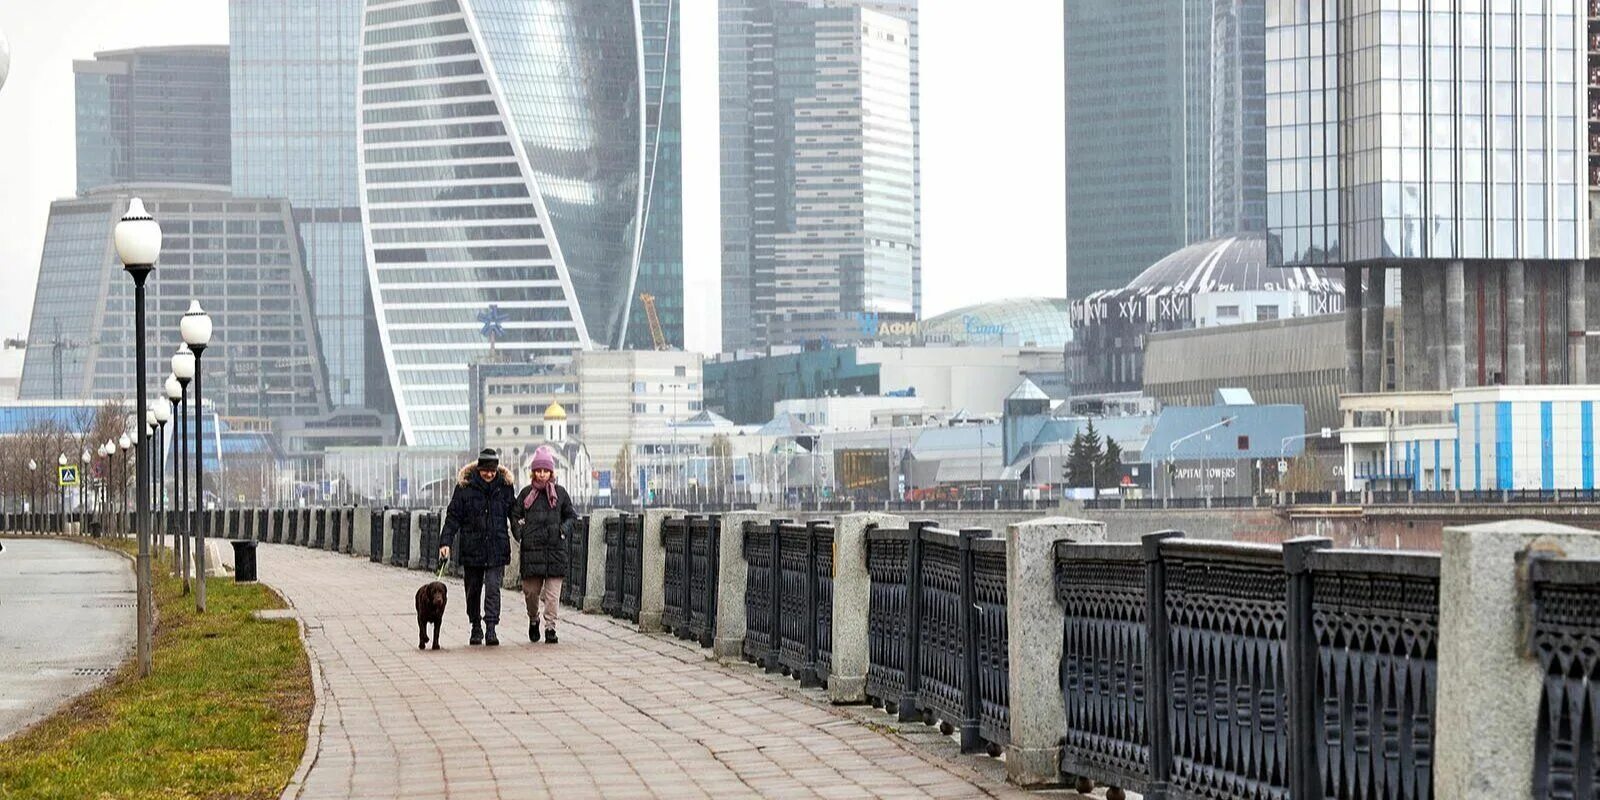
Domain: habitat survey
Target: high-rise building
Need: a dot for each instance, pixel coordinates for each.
(1137, 136)
(293, 68)
(1238, 118)
(153, 114)
(661, 252)
(239, 256)
(819, 170)
(1447, 147)
(502, 151)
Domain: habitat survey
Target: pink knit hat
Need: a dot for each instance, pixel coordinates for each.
(544, 458)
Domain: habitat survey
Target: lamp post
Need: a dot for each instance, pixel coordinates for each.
(1172, 449)
(175, 391)
(138, 241)
(61, 495)
(33, 490)
(83, 508)
(162, 414)
(124, 444)
(196, 330)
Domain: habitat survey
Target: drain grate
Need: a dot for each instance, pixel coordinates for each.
(111, 604)
(93, 672)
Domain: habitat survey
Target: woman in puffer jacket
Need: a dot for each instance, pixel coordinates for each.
(539, 523)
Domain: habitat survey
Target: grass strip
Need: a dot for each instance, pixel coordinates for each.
(222, 715)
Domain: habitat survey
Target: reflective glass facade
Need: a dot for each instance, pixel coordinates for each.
(293, 67)
(240, 257)
(502, 145)
(154, 114)
(1238, 118)
(1459, 130)
(1138, 135)
(661, 256)
(819, 178)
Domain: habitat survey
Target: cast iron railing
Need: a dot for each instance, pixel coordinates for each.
(1565, 619)
(577, 563)
(936, 629)
(611, 604)
(789, 609)
(1204, 669)
(632, 565)
(674, 532)
(759, 609)
(377, 536)
(690, 578)
(400, 544)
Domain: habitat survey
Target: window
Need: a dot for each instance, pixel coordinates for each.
(680, 372)
(638, 387)
(1244, 443)
(1227, 312)
(1264, 313)
(638, 408)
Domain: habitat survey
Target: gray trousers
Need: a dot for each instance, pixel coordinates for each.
(477, 579)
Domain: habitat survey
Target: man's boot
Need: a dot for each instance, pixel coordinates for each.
(533, 632)
(477, 633)
(489, 638)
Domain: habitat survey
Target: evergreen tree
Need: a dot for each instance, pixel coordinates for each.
(1109, 472)
(1082, 457)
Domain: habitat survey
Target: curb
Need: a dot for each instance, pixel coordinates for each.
(319, 707)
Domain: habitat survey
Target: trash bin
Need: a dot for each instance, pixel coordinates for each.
(244, 561)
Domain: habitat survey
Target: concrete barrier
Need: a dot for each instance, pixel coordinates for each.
(653, 567)
(595, 593)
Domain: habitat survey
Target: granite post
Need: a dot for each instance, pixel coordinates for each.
(1489, 686)
(594, 594)
(852, 590)
(1035, 621)
(388, 535)
(653, 568)
(732, 579)
(361, 533)
(414, 556)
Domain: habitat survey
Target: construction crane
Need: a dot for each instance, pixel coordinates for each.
(58, 348)
(656, 334)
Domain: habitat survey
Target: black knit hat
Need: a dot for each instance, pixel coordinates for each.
(488, 458)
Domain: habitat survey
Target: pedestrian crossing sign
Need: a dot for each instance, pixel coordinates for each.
(67, 475)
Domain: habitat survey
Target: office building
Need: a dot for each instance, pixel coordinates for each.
(1220, 282)
(293, 68)
(661, 252)
(153, 114)
(614, 402)
(240, 257)
(1137, 135)
(1238, 117)
(502, 153)
(1444, 151)
(820, 180)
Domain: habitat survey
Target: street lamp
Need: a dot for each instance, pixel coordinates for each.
(138, 241)
(61, 494)
(1172, 450)
(124, 444)
(163, 415)
(83, 508)
(196, 330)
(175, 391)
(183, 368)
(33, 491)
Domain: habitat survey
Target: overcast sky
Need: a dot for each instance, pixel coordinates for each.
(992, 174)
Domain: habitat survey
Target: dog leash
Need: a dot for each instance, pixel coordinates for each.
(440, 574)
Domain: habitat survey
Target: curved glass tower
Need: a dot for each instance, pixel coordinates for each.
(502, 149)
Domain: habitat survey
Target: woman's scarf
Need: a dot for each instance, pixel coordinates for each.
(548, 487)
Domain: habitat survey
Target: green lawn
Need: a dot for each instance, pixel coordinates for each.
(223, 714)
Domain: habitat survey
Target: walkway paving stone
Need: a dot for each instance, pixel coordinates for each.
(608, 712)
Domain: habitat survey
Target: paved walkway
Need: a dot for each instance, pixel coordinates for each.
(608, 712)
(66, 623)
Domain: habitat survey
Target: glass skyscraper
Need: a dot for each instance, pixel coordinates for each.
(819, 168)
(1238, 118)
(1138, 149)
(502, 151)
(153, 114)
(294, 67)
(661, 255)
(239, 256)
(1444, 141)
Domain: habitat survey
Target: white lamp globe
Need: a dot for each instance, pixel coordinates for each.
(85, 457)
(163, 414)
(173, 389)
(195, 326)
(127, 440)
(137, 237)
(61, 460)
(149, 418)
(5, 58)
(183, 364)
(33, 465)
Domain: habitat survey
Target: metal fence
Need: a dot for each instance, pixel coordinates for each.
(936, 628)
(1565, 638)
(624, 566)
(690, 577)
(577, 564)
(789, 598)
(1206, 669)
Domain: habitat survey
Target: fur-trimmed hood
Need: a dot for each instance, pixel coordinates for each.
(464, 477)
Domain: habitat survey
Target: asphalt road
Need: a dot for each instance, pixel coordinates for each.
(66, 622)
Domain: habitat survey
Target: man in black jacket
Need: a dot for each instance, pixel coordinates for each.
(480, 512)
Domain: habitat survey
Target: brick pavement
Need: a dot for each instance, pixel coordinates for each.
(608, 712)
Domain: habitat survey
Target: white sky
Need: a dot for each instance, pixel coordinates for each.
(993, 197)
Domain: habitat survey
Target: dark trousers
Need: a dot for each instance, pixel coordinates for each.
(477, 579)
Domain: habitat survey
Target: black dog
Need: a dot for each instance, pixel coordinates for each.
(430, 608)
